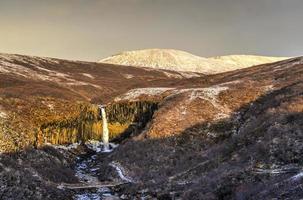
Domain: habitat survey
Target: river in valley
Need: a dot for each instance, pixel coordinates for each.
(86, 169)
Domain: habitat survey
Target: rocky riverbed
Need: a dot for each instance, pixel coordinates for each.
(93, 184)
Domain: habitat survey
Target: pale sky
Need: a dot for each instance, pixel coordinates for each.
(94, 29)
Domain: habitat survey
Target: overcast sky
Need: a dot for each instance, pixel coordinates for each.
(94, 29)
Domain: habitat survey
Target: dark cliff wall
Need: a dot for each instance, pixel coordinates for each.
(88, 125)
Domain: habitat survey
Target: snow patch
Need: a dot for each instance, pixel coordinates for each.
(121, 172)
(83, 176)
(128, 76)
(3, 115)
(65, 147)
(98, 146)
(94, 145)
(172, 75)
(297, 177)
(230, 83)
(136, 93)
(50, 106)
(81, 83)
(3, 69)
(269, 88)
(99, 195)
(87, 196)
(209, 94)
(189, 74)
(88, 75)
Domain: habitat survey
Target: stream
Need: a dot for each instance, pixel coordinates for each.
(90, 188)
(86, 172)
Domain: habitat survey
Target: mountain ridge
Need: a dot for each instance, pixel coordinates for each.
(178, 60)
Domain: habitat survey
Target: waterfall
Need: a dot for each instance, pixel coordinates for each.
(105, 134)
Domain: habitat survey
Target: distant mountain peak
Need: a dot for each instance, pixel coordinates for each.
(178, 60)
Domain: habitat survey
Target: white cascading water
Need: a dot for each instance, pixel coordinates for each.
(105, 134)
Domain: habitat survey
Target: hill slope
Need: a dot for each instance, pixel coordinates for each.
(182, 61)
(235, 135)
(40, 92)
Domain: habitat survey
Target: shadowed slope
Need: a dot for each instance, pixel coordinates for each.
(252, 151)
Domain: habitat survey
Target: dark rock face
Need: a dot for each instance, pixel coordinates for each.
(129, 112)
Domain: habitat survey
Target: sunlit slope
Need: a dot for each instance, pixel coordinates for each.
(177, 60)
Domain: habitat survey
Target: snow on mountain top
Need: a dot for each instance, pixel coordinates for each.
(177, 60)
